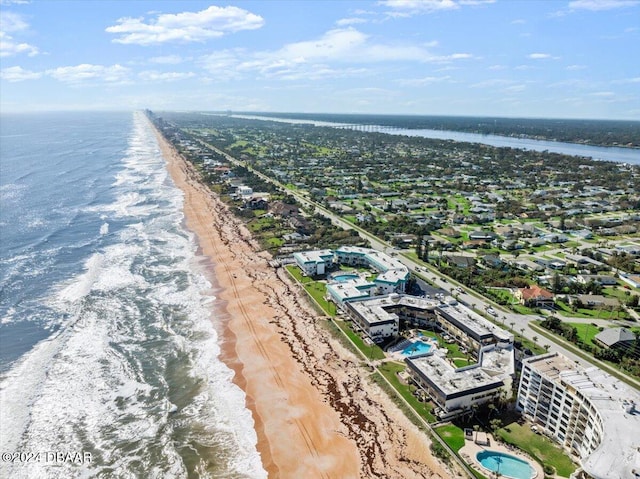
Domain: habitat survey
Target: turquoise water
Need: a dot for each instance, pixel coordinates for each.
(506, 465)
(417, 347)
(343, 278)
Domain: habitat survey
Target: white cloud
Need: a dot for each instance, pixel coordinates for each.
(85, 72)
(167, 60)
(576, 67)
(497, 67)
(423, 81)
(603, 94)
(539, 56)
(627, 80)
(515, 88)
(185, 27)
(403, 8)
(599, 5)
(13, 23)
(154, 76)
(492, 83)
(17, 74)
(343, 22)
(338, 52)
(9, 48)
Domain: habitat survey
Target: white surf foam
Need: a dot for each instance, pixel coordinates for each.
(135, 313)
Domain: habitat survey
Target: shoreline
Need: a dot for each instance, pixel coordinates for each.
(316, 413)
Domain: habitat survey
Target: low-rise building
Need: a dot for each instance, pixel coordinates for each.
(393, 275)
(457, 390)
(468, 327)
(622, 338)
(589, 412)
(314, 263)
(604, 280)
(371, 316)
(534, 296)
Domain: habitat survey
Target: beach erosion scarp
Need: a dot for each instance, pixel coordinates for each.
(316, 414)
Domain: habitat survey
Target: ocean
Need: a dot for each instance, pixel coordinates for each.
(108, 355)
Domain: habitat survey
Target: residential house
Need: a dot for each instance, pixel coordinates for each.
(535, 296)
(613, 338)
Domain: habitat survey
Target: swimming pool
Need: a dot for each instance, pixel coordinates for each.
(343, 278)
(417, 347)
(505, 464)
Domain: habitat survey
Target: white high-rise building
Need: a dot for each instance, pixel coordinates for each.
(592, 414)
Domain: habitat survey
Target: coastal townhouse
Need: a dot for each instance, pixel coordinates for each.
(590, 413)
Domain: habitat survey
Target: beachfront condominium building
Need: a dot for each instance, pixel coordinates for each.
(592, 414)
(314, 263)
(468, 327)
(457, 390)
(393, 275)
(373, 317)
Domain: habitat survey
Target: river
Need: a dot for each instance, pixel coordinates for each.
(605, 153)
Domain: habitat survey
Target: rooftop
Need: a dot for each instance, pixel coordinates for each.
(473, 323)
(619, 451)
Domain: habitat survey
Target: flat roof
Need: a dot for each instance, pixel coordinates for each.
(619, 451)
(472, 323)
(379, 260)
(315, 256)
(350, 290)
(373, 311)
(452, 382)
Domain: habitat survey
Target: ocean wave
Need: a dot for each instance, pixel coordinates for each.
(133, 374)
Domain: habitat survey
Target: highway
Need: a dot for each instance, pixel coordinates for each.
(518, 323)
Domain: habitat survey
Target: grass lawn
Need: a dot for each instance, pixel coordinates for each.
(275, 242)
(452, 435)
(297, 274)
(597, 313)
(390, 372)
(461, 363)
(371, 351)
(586, 332)
(539, 447)
(317, 291)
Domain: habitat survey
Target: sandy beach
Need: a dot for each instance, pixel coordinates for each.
(316, 413)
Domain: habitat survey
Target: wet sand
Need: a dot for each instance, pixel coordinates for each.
(316, 413)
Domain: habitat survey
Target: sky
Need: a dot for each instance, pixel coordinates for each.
(514, 58)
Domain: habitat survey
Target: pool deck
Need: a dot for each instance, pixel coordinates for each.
(486, 442)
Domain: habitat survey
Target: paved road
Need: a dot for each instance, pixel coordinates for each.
(519, 323)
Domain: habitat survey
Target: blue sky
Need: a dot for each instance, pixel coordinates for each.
(528, 58)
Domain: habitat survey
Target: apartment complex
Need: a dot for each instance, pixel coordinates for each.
(314, 263)
(590, 413)
(458, 390)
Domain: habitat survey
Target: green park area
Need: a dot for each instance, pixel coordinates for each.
(537, 446)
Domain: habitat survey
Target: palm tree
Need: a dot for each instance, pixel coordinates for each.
(546, 347)
(535, 339)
